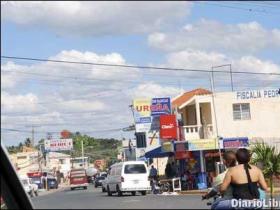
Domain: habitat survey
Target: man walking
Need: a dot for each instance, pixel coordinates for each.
(153, 177)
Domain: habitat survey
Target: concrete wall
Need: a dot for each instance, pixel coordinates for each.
(264, 122)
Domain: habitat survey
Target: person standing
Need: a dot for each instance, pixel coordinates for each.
(153, 177)
(168, 171)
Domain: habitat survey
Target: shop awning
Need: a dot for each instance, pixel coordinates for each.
(157, 152)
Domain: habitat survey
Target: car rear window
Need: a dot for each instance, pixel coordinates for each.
(135, 169)
(77, 173)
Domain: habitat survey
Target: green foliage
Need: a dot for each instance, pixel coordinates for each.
(96, 148)
(268, 157)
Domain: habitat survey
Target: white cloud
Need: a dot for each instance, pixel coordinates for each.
(151, 90)
(95, 18)
(209, 35)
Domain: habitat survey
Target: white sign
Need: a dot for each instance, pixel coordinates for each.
(253, 94)
(58, 145)
(142, 127)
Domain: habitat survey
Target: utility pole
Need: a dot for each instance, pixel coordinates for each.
(83, 153)
(214, 109)
(32, 140)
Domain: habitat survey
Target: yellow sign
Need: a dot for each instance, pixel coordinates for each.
(203, 144)
(142, 110)
(167, 147)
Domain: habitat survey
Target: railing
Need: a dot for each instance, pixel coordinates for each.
(198, 131)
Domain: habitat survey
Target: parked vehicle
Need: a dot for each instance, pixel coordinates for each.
(130, 176)
(104, 184)
(98, 181)
(52, 183)
(78, 178)
(29, 187)
(36, 178)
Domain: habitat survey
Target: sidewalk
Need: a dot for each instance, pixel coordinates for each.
(43, 192)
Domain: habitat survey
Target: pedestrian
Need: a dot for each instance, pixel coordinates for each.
(168, 171)
(153, 177)
(174, 170)
(244, 178)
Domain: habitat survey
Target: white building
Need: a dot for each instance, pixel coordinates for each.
(59, 161)
(253, 114)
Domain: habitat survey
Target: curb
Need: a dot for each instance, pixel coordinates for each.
(47, 192)
(199, 192)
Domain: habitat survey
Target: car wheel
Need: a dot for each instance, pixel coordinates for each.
(108, 191)
(95, 186)
(119, 191)
(143, 192)
(72, 188)
(133, 193)
(85, 188)
(32, 194)
(103, 189)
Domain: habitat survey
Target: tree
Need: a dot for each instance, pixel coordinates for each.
(269, 160)
(27, 142)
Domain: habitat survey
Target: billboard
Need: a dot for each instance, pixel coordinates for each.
(142, 112)
(235, 142)
(160, 106)
(202, 144)
(53, 145)
(168, 127)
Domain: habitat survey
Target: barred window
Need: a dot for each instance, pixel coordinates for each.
(241, 111)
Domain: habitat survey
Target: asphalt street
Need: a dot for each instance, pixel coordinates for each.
(93, 198)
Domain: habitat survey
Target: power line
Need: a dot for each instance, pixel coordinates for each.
(136, 67)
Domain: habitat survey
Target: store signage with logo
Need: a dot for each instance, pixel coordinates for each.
(253, 94)
(168, 127)
(203, 144)
(142, 127)
(58, 145)
(235, 142)
(160, 106)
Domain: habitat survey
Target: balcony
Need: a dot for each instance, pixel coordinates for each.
(198, 131)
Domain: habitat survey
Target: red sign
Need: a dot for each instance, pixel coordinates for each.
(168, 127)
(183, 155)
(34, 174)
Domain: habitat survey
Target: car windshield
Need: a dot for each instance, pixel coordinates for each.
(135, 169)
(152, 93)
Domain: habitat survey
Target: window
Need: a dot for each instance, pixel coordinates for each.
(141, 140)
(135, 169)
(241, 111)
(62, 161)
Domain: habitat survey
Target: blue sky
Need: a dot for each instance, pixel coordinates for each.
(175, 34)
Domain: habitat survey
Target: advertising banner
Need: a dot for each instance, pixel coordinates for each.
(202, 144)
(142, 111)
(160, 106)
(181, 146)
(153, 139)
(168, 127)
(58, 145)
(235, 142)
(142, 127)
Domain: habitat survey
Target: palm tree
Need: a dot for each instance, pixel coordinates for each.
(268, 158)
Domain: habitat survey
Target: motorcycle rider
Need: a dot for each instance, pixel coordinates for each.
(229, 160)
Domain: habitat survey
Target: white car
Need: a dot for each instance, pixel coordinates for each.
(104, 184)
(29, 187)
(130, 176)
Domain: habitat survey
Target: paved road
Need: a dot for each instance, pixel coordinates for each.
(94, 199)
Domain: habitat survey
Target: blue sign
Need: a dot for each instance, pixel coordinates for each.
(141, 120)
(235, 142)
(160, 106)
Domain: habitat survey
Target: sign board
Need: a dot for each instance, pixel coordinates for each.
(58, 145)
(160, 106)
(235, 142)
(168, 127)
(142, 127)
(203, 144)
(253, 94)
(142, 112)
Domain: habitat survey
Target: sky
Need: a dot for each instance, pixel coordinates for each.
(95, 99)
